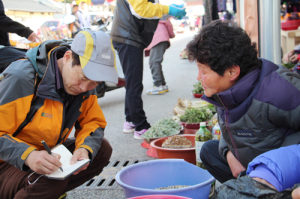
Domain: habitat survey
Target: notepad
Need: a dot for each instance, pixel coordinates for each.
(65, 160)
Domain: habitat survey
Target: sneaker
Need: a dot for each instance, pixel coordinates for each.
(165, 88)
(155, 90)
(128, 127)
(138, 134)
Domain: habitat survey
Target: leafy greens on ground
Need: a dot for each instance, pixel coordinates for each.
(162, 128)
(196, 115)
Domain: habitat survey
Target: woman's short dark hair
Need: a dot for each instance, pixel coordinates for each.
(75, 59)
(221, 46)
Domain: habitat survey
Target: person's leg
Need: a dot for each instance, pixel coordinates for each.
(14, 182)
(214, 163)
(166, 46)
(156, 58)
(128, 126)
(131, 59)
(120, 48)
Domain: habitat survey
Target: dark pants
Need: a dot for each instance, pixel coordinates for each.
(14, 182)
(131, 59)
(156, 57)
(214, 163)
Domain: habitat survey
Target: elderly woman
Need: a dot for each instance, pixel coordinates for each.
(257, 101)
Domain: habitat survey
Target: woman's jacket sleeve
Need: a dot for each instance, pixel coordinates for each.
(283, 163)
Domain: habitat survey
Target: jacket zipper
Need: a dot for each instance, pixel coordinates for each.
(227, 126)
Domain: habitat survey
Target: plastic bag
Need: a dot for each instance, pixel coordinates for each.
(247, 188)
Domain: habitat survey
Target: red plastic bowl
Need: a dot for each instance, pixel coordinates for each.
(197, 95)
(191, 125)
(190, 131)
(290, 25)
(186, 154)
(160, 197)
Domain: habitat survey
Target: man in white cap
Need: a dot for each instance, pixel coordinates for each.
(42, 98)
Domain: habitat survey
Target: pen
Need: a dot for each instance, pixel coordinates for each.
(49, 151)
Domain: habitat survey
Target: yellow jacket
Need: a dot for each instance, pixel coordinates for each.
(135, 21)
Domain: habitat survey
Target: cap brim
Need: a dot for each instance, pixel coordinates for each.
(99, 72)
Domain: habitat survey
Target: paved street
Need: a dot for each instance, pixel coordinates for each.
(180, 76)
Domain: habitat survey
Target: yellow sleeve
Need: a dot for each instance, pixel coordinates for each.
(145, 9)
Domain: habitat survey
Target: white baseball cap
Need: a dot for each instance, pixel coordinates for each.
(96, 54)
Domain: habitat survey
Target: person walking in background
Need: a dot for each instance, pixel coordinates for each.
(73, 28)
(7, 25)
(211, 11)
(74, 9)
(83, 19)
(132, 31)
(192, 23)
(160, 43)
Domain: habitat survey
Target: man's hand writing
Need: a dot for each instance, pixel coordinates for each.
(235, 166)
(43, 163)
(80, 154)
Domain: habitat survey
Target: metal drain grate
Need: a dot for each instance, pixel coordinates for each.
(106, 179)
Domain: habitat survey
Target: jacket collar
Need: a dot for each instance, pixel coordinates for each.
(47, 87)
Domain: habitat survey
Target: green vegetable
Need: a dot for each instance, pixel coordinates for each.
(162, 128)
(196, 115)
(289, 65)
(198, 89)
(212, 108)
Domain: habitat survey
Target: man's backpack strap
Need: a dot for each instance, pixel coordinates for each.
(31, 55)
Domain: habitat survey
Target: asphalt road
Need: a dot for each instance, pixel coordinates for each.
(180, 76)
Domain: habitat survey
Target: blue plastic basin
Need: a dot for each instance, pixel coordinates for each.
(142, 179)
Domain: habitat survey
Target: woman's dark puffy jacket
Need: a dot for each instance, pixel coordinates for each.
(259, 113)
